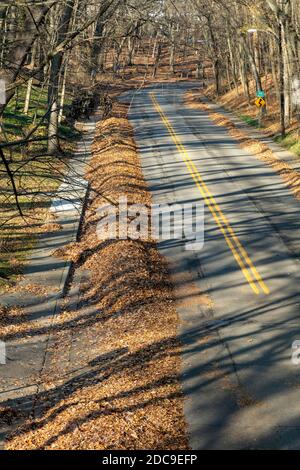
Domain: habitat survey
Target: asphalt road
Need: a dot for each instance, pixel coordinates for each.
(242, 389)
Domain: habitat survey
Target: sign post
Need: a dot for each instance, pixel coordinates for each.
(260, 94)
(260, 103)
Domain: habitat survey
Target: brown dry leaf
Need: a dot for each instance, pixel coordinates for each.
(12, 320)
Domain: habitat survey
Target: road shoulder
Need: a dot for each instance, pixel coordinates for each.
(285, 163)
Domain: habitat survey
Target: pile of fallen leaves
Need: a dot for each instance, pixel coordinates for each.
(111, 375)
(256, 148)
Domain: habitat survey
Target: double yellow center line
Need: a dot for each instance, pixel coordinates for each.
(240, 254)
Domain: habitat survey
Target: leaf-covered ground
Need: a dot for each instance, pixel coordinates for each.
(111, 377)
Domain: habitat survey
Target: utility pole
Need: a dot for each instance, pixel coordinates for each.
(281, 78)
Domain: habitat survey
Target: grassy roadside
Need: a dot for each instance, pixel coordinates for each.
(256, 148)
(36, 176)
(121, 389)
(291, 142)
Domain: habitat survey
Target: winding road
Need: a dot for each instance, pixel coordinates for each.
(238, 296)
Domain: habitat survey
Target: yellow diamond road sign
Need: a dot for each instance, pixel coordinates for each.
(260, 102)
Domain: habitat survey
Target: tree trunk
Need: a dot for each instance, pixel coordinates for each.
(131, 49)
(217, 76)
(30, 82)
(63, 93)
(97, 49)
(25, 39)
(157, 59)
(281, 80)
(255, 71)
(172, 59)
(55, 70)
(233, 66)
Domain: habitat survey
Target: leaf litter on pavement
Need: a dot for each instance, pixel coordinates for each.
(260, 150)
